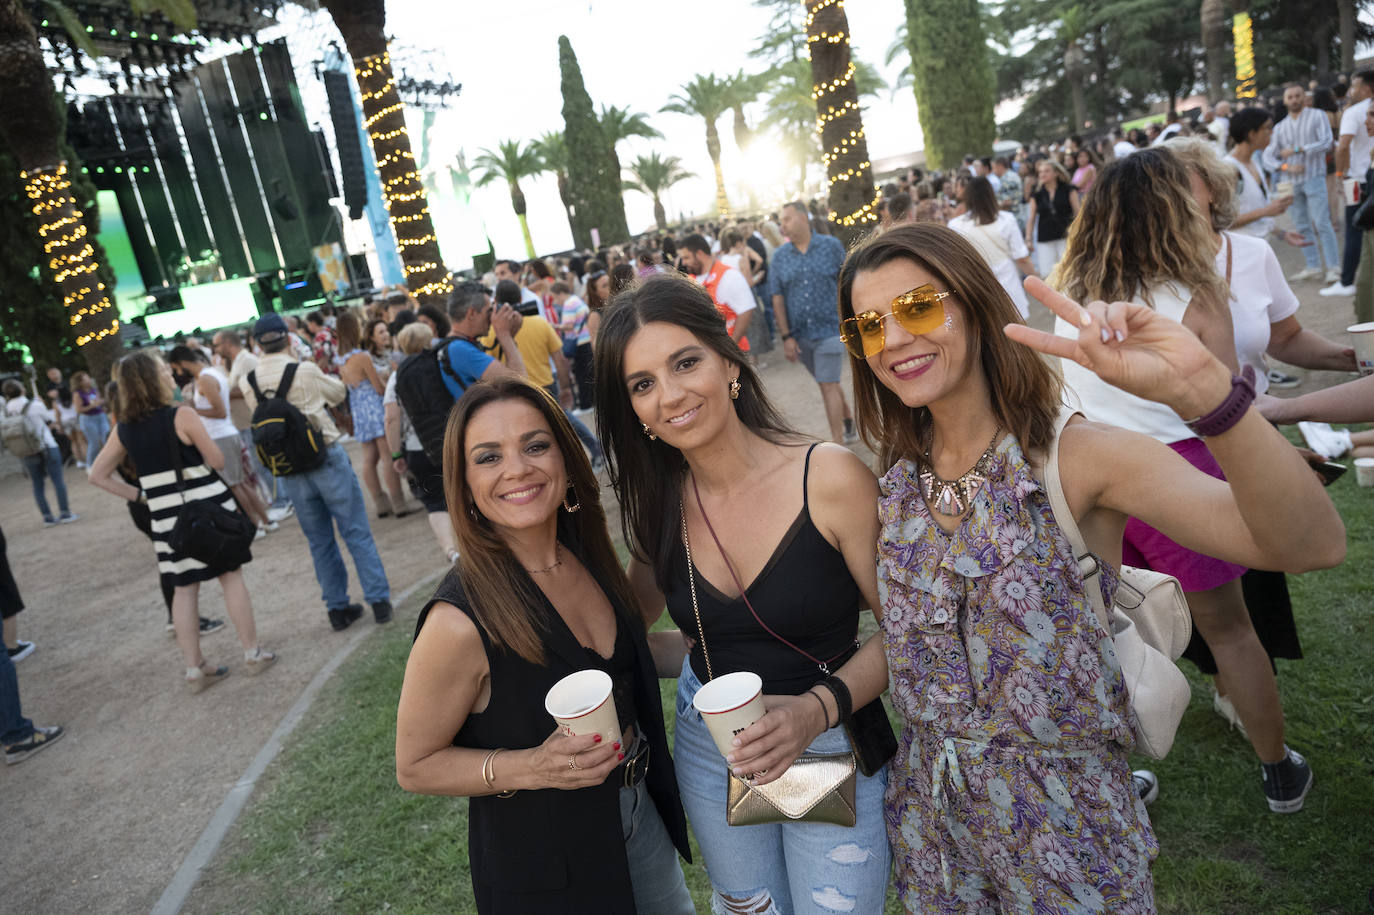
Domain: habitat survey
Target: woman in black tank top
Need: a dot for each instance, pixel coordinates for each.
(782, 542)
(557, 823)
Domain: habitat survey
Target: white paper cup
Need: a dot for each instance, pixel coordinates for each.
(728, 705)
(582, 703)
(1362, 338)
(1364, 471)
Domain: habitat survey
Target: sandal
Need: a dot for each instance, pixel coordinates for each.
(207, 678)
(256, 665)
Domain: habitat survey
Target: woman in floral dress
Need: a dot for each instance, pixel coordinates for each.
(1011, 790)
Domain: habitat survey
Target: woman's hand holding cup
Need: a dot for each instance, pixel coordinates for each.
(1133, 347)
(568, 761)
(763, 751)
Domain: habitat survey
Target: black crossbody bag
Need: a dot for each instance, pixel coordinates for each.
(207, 531)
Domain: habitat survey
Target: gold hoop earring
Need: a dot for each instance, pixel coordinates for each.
(648, 432)
(576, 505)
(735, 389)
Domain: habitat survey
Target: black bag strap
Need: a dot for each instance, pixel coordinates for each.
(283, 385)
(176, 454)
(441, 351)
(253, 383)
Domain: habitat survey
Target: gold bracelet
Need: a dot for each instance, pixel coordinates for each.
(492, 783)
(486, 777)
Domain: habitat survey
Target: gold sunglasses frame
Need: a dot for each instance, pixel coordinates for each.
(846, 334)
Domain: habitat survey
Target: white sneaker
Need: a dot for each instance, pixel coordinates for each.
(272, 526)
(1311, 273)
(1333, 275)
(262, 532)
(280, 514)
(1337, 288)
(1328, 442)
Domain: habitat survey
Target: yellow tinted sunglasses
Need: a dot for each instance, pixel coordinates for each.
(918, 312)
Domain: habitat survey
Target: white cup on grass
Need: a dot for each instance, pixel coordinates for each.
(1364, 471)
(582, 703)
(728, 705)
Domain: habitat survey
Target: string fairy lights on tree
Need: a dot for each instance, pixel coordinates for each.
(839, 120)
(71, 256)
(362, 24)
(1243, 34)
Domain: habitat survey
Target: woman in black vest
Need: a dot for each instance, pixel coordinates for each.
(557, 823)
(1052, 207)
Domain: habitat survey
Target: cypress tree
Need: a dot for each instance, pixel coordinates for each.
(953, 80)
(593, 184)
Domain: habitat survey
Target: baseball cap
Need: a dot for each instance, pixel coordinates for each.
(269, 328)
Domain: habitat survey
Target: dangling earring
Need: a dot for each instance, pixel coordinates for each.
(575, 506)
(652, 437)
(734, 389)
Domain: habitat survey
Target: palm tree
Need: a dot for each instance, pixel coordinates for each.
(1072, 27)
(620, 124)
(840, 121)
(552, 149)
(744, 88)
(1214, 35)
(706, 97)
(652, 176)
(31, 126)
(363, 26)
(511, 162)
(790, 108)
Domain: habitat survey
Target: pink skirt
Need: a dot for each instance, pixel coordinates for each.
(1146, 548)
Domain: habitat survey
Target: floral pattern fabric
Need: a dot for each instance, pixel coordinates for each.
(1011, 790)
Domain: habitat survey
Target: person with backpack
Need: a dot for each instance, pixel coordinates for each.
(298, 441)
(25, 433)
(429, 383)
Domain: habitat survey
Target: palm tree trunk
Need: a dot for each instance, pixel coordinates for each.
(362, 24)
(660, 215)
(1214, 43)
(852, 193)
(713, 150)
(525, 230)
(30, 126)
(1346, 10)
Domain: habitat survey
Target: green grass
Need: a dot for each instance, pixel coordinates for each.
(329, 830)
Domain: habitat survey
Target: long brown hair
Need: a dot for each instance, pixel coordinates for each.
(1140, 226)
(349, 331)
(647, 474)
(143, 385)
(1025, 391)
(505, 600)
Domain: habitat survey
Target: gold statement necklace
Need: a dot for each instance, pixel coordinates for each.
(953, 497)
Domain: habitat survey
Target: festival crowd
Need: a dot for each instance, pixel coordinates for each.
(990, 540)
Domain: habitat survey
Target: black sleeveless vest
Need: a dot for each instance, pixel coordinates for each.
(551, 850)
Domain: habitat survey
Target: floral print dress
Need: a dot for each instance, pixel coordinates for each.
(1011, 790)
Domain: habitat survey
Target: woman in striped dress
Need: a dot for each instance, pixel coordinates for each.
(150, 426)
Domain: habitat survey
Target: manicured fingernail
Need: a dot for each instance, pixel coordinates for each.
(730, 758)
(738, 771)
(1086, 319)
(616, 745)
(735, 742)
(596, 739)
(1120, 337)
(620, 757)
(1106, 335)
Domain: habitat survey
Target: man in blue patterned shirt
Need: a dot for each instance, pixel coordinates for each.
(1298, 152)
(804, 280)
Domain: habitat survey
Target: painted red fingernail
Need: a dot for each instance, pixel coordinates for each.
(620, 757)
(617, 746)
(596, 739)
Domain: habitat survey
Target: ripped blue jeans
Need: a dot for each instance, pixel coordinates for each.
(779, 869)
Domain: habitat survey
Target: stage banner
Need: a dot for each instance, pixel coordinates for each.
(329, 264)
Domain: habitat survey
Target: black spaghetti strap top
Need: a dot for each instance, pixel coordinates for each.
(804, 593)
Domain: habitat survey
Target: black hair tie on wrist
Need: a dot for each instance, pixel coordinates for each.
(843, 700)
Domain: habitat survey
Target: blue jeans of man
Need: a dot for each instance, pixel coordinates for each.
(1354, 242)
(1312, 210)
(47, 463)
(96, 427)
(14, 727)
(330, 496)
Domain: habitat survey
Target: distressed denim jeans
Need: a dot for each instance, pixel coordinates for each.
(779, 868)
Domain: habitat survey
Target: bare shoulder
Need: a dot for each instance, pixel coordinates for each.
(451, 633)
(841, 490)
(836, 468)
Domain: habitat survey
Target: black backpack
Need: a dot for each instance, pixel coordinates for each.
(286, 442)
(421, 390)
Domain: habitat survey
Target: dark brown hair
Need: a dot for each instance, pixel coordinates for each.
(368, 329)
(349, 331)
(505, 600)
(1025, 391)
(647, 474)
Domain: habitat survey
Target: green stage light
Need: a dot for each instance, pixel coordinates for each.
(153, 36)
(45, 23)
(114, 32)
(262, 115)
(133, 34)
(89, 29)
(85, 170)
(146, 169)
(100, 169)
(119, 170)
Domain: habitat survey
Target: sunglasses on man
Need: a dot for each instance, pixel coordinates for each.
(918, 312)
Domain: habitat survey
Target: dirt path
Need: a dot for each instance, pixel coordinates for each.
(102, 821)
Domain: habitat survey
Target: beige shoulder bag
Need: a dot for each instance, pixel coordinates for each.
(1150, 624)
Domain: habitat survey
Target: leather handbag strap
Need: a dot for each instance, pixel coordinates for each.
(1088, 563)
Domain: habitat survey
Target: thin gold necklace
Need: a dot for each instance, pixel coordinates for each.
(953, 497)
(558, 561)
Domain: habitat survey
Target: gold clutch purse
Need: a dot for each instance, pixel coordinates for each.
(817, 788)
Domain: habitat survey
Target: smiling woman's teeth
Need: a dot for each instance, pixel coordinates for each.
(521, 494)
(678, 420)
(909, 364)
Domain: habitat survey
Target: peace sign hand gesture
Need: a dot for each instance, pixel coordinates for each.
(1134, 348)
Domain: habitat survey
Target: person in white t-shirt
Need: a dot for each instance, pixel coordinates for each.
(211, 401)
(1352, 163)
(997, 236)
